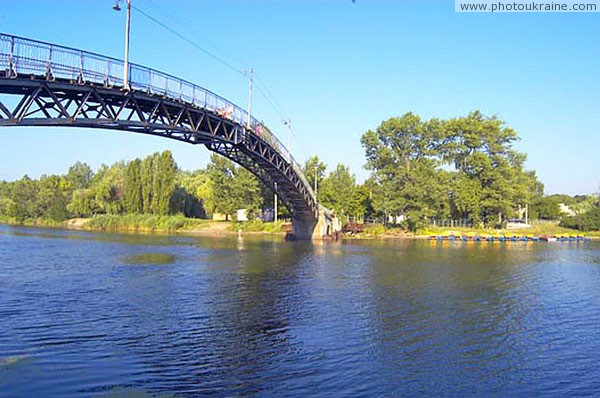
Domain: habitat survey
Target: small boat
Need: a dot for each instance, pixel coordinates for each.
(548, 238)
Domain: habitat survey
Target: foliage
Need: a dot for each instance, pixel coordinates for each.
(233, 188)
(547, 207)
(79, 175)
(589, 221)
(150, 186)
(337, 191)
(461, 167)
(193, 195)
(140, 222)
(313, 170)
(375, 230)
(257, 226)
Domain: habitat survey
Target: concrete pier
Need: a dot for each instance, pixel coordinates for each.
(326, 225)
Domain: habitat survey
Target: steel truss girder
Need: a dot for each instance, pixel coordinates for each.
(68, 104)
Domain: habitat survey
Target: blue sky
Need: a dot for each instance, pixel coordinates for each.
(337, 69)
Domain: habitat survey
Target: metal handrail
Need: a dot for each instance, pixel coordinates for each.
(19, 55)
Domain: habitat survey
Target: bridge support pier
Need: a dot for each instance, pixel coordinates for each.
(308, 229)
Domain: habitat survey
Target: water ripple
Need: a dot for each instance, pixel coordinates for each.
(263, 317)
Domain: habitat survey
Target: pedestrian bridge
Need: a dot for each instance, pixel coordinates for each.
(43, 84)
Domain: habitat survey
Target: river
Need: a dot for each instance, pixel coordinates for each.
(109, 315)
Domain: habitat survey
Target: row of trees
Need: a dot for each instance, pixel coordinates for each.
(463, 167)
(153, 185)
(460, 168)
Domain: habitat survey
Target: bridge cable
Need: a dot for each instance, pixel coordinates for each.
(270, 98)
(191, 42)
(188, 28)
(261, 86)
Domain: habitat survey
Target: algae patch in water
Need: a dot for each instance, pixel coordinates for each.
(13, 362)
(150, 259)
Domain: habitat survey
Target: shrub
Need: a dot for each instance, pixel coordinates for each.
(589, 221)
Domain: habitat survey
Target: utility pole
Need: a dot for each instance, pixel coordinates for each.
(275, 204)
(316, 180)
(116, 7)
(251, 74)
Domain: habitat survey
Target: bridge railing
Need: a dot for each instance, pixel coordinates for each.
(21, 56)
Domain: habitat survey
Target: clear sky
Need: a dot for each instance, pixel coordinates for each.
(337, 69)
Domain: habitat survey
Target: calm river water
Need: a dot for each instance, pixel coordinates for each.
(109, 315)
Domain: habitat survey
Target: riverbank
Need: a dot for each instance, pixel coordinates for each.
(141, 223)
(378, 231)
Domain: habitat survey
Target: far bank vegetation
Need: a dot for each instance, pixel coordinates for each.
(463, 169)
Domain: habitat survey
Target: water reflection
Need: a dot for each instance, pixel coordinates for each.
(149, 259)
(255, 318)
(254, 315)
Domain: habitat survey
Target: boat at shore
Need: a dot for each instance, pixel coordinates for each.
(472, 237)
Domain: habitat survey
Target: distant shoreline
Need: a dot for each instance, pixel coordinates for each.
(202, 227)
(177, 225)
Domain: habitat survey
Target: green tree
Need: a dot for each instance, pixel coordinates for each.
(25, 199)
(466, 197)
(221, 172)
(233, 187)
(361, 205)
(108, 187)
(83, 203)
(337, 191)
(589, 221)
(79, 175)
(313, 170)
(165, 182)
(52, 201)
(480, 148)
(146, 177)
(133, 187)
(401, 154)
(190, 196)
(546, 208)
(246, 192)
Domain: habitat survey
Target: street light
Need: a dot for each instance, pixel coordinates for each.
(251, 83)
(117, 7)
(288, 123)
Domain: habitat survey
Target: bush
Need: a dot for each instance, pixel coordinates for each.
(257, 226)
(589, 221)
(375, 229)
(139, 222)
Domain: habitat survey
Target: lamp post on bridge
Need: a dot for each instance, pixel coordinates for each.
(116, 7)
(251, 83)
(288, 123)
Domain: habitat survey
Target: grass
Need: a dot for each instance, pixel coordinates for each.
(153, 223)
(142, 223)
(258, 226)
(536, 229)
(35, 222)
(550, 228)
